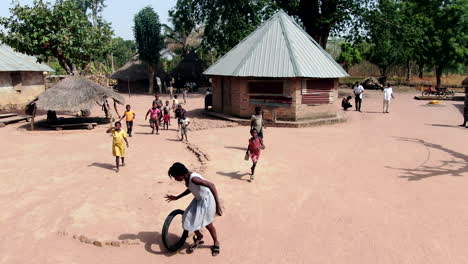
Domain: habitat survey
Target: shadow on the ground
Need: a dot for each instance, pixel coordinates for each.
(239, 148)
(372, 112)
(151, 239)
(234, 175)
(457, 166)
(442, 125)
(460, 108)
(103, 165)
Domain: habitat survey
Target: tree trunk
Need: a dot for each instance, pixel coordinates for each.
(408, 70)
(438, 71)
(421, 70)
(152, 70)
(312, 14)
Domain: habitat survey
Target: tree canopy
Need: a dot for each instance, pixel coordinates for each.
(59, 30)
(149, 41)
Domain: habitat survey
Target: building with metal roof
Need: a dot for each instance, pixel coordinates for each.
(22, 78)
(280, 68)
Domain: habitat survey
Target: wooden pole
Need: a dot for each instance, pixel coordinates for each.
(33, 116)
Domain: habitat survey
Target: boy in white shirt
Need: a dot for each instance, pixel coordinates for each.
(388, 95)
(358, 92)
(184, 123)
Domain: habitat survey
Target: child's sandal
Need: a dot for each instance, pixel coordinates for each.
(196, 243)
(215, 250)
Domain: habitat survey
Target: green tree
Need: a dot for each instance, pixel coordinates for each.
(322, 17)
(384, 47)
(122, 51)
(227, 22)
(149, 41)
(349, 56)
(60, 30)
(445, 35)
(94, 6)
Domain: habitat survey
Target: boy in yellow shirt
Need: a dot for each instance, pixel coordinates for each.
(129, 117)
(118, 148)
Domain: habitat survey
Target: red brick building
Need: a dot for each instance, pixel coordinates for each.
(280, 68)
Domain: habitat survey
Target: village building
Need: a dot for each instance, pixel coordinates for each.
(280, 68)
(22, 78)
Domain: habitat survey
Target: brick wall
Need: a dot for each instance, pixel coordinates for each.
(240, 106)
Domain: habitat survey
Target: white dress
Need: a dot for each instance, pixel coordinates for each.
(201, 211)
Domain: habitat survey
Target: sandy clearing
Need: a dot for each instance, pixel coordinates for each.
(380, 188)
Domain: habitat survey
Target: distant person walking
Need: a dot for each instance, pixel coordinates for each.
(170, 87)
(175, 102)
(184, 123)
(358, 93)
(345, 103)
(118, 147)
(256, 121)
(185, 94)
(129, 117)
(465, 107)
(388, 96)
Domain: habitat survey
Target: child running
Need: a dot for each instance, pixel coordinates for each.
(154, 113)
(175, 102)
(184, 123)
(201, 211)
(118, 148)
(129, 117)
(167, 113)
(179, 113)
(255, 145)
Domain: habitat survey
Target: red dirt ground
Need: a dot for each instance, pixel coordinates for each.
(380, 188)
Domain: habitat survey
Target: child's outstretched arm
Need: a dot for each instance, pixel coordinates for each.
(147, 113)
(170, 198)
(126, 141)
(109, 130)
(213, 190)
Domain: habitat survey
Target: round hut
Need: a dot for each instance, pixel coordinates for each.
(280, 68)
(76, 93)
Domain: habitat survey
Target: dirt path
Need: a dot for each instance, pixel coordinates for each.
(381, 188)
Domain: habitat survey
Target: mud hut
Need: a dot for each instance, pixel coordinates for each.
(280, 68)
(22, 78)
(133, 76)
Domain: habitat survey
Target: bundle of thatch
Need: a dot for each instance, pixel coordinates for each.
(76, 93)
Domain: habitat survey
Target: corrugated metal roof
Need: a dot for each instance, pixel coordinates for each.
(279, 48)
(15, 61)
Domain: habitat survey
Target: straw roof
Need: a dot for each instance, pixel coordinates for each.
(190, 68)
(76, 93)
(133, 70)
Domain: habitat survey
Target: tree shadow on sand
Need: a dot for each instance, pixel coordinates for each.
(457, 166)
(234, 175)
(153, 240)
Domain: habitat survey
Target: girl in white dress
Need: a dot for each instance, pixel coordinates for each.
(201, 211)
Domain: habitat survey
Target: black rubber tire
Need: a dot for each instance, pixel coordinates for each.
(165, 229)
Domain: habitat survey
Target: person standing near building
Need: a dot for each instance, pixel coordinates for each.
(388, 95)
(358, 93)
(256, 121)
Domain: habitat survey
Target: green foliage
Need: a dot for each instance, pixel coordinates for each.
(60, 30)
(349, 56)
(95, 6)
(227, 22)
(122, 50)
(147, 31)
(445, 35)
(320, 18)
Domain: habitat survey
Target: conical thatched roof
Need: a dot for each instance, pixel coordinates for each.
(76, 93)
(133, 70)
(190, 68)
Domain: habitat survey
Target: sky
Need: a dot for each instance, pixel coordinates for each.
(119, 13)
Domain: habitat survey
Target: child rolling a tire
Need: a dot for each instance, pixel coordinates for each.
(201, 211)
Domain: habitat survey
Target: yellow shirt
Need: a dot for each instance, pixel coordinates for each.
(129, 115)
(118, 137)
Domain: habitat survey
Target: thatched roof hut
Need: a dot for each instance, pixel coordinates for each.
(465, 82)
(190, 69)
(76, 93)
